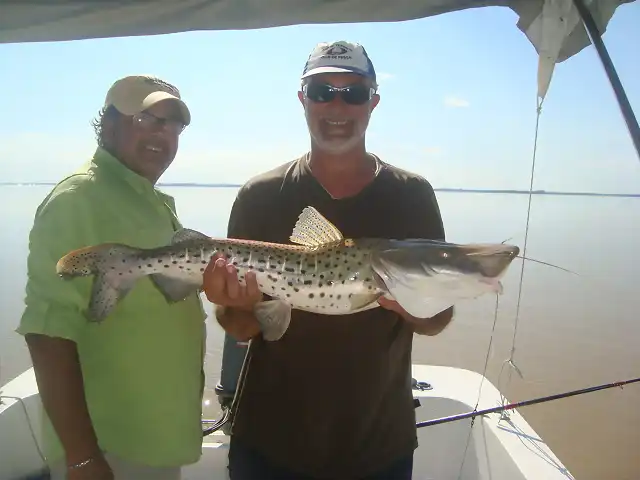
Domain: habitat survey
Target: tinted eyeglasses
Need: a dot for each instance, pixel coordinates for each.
(148, 121)
(357, 94)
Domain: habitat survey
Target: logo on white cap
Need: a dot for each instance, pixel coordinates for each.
(339, 57)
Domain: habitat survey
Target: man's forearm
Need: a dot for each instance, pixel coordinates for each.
(59, 377)
(432, 326)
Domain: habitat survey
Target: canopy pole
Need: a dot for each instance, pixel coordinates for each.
(623, 101)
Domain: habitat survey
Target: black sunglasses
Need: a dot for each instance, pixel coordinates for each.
(357, 94)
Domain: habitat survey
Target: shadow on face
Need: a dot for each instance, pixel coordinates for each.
(147, 142)
(338, 120)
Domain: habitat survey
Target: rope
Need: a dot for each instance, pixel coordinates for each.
(510, 361)
(30, 425)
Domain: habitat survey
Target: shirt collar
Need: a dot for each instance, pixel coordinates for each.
(103, 160)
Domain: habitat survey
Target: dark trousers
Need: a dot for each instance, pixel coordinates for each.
(247, 464)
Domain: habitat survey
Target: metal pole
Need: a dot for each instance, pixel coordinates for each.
(623, 101)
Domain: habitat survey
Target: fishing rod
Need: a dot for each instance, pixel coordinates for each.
(524, 403)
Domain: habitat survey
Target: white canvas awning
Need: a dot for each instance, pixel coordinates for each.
(552, 26)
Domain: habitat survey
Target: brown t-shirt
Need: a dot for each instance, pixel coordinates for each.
(333, 398)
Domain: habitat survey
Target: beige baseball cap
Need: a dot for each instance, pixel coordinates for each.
(135, 93)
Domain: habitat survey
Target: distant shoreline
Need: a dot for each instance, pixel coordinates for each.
(457, 190)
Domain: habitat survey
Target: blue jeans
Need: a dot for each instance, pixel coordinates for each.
(247, 464)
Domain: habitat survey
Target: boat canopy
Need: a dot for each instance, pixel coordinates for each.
(552, 26)
(60, 20)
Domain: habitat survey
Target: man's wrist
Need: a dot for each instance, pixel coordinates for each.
(82, 463)
(81, 459)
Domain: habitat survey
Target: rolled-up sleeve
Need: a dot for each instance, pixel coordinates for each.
(55, 306)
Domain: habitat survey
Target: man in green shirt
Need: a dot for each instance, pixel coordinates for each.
(122, 398)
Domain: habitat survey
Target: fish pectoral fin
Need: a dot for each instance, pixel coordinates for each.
(313, 230)
(175, 289)
(420, 306)
(362, 301)
(274, 317)
(106, 292)
(185, 234)
(412, 299)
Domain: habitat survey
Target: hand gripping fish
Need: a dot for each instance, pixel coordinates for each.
(320, 272)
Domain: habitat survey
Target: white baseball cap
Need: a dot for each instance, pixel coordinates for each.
(136, 93)
(339, 57)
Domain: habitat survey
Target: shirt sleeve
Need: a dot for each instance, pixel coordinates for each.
(54, 306)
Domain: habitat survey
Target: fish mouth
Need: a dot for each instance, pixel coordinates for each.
(491, 260)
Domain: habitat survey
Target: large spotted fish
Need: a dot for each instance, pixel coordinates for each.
(320, 272)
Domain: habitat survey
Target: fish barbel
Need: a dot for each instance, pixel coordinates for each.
(320, 272)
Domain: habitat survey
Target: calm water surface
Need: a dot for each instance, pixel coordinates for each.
(573, 331)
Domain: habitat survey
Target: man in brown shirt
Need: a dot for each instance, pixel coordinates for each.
(332, 398)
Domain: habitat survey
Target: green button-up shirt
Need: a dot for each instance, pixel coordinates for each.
(143, 365)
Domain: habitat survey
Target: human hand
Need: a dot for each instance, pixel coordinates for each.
(221, 285)
(394, 306)
(424, 326)
(97, 469)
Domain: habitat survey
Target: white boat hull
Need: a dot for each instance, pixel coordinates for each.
(495, 449)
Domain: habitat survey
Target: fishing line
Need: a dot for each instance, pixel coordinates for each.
(484, 374)
(510, 361)
(517, 316)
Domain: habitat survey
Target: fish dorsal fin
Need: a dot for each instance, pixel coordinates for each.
(186, 234)
(313, 230)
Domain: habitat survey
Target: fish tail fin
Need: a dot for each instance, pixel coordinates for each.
(274, 317)
(108, 287)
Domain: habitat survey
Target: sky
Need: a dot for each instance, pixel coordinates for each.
(458, 102)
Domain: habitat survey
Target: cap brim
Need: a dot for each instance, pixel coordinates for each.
(160, 96)
(316, 71)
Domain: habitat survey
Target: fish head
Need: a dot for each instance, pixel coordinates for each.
(416, 272)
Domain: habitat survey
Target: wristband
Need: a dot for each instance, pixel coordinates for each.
(81, 464)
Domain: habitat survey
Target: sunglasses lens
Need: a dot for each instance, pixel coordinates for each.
(320, 93)
(356, 95)
(147, 121)
(353, 95)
